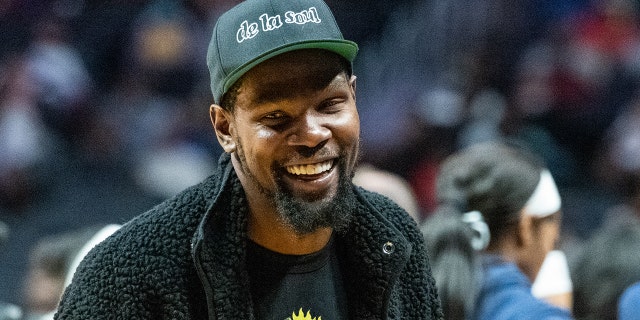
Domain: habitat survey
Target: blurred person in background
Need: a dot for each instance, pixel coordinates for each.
(607, 262)
(498, 218)
(61, 81)
(606, 265)
(25, 140)
(48, 265)
(53, 261)
(390, 185)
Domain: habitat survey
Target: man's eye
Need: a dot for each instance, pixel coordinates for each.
(275, 119)
(331, 106)
(274, 116)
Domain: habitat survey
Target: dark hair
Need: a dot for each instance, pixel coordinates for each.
(494, 178)
(607, 264)
(228, 100)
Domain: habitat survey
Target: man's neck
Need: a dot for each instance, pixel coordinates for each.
(268, 231)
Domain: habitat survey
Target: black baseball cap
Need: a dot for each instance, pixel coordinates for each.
(256, 30)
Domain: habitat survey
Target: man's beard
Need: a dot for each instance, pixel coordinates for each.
(306, 216)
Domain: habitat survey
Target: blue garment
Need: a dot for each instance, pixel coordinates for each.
(506, 294)
(629, 303)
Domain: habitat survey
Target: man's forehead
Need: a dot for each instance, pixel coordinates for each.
(294, 74)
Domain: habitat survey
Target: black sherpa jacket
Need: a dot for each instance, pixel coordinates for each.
(185, 259)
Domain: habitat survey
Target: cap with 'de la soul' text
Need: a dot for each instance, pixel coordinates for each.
(256, 30)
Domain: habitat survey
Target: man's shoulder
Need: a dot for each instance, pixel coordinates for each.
(172, 223)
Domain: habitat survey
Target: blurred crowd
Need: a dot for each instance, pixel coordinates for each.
(103, 108)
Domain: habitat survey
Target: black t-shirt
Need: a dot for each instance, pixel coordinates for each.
(295, 287)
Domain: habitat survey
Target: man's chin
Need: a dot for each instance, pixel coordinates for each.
(308, 214)
(313, 199)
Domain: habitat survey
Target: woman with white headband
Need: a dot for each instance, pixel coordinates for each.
(499, 217)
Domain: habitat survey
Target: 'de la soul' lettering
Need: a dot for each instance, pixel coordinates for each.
(267, 23)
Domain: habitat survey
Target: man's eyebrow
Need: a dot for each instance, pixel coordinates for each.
(276, 91)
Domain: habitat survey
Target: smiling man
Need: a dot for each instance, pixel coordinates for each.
(278, 231)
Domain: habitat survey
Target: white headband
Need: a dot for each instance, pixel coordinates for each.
(545, 200)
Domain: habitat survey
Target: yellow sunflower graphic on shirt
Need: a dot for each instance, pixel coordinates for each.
(302, 316)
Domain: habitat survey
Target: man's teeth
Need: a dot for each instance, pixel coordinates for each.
(310, 168)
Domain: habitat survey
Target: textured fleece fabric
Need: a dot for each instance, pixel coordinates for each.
(185, 259)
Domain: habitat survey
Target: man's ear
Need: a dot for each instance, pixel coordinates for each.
(221, 121)
(352, 84)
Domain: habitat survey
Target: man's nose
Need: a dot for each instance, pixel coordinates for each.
(310, 131)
